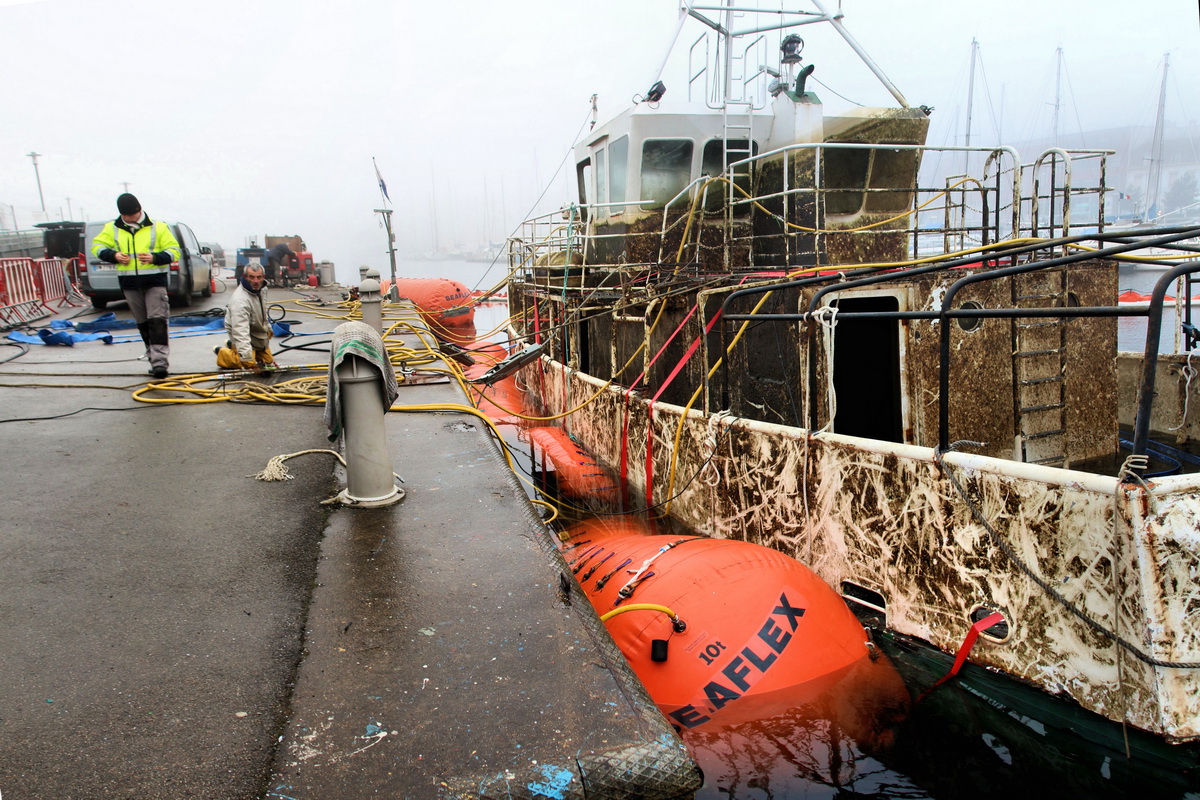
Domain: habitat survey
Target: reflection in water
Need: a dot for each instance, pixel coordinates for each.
(863, 738)
(797, 747)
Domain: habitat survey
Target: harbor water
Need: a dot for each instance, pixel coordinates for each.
(1131, 331)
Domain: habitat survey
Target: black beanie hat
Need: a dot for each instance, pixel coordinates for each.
(128, 204)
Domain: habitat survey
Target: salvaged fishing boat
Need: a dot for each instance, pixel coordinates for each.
(776, 328)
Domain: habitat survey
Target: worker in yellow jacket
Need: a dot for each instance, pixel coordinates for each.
(143, 250)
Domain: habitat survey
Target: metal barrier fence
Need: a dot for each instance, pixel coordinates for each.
(51, 274)
(28, 286)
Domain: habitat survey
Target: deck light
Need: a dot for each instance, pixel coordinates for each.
(656, 92)
(791, 46)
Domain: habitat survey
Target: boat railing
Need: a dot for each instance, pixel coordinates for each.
(549, 246)
(1010, 260)
(973, 212)
(1055, 178)
(801, 221)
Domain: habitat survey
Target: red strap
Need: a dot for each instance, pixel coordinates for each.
(649, 454)
(650, 408)
(625, 456)
(686, 356)
(964, 649)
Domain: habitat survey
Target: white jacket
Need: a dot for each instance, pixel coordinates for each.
(247, 323)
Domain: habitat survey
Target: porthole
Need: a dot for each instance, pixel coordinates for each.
(1069, 300)
(996, 632)
(970, 323)
(863, 596)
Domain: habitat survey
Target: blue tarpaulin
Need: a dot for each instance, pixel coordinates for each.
(109, 322)
(65, 332)
(59, 337)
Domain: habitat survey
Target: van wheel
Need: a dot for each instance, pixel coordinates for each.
(99, 303)
(207, 290)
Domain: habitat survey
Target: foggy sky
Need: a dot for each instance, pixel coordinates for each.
(252, 117)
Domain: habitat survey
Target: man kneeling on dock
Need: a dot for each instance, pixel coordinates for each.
(247, 323)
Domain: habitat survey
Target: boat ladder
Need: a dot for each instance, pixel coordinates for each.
(738, 123)
(1039, 368)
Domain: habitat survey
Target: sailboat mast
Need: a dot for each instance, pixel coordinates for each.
(1156, 148)
(970, 102)
(1058, 55)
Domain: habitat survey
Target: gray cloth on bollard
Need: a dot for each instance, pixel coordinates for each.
(361, 340)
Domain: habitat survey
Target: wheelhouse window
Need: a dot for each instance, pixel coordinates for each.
(893, 175)
(844, 176)
(601, 179)
(618, 172)
(712, 163)
(666, 170)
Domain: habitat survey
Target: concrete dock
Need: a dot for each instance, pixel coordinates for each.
(170, 627)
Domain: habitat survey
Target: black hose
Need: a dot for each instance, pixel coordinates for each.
(285, 347)
(24, 350)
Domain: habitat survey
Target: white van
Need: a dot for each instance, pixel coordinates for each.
(191, 273)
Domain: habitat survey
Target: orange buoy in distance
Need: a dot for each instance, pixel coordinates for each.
(442, 302)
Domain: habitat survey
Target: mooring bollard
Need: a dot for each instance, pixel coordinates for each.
(372, 303)
(362, 387)
(362, 272)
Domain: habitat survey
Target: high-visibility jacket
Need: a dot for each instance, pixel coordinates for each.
(152, 237)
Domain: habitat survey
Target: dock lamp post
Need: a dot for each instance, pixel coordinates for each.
(393, 293)
(38, 175)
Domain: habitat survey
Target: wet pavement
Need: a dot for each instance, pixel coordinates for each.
(170, 627)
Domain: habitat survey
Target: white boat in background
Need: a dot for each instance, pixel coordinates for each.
(742, 316)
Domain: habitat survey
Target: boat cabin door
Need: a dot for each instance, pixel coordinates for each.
(868, 369)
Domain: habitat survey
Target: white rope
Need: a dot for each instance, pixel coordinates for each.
(1189, 372)
(1128, 474)
(710, 474)
(276, 471)
(827, 316)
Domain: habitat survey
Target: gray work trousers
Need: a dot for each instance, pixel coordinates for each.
(152, 311)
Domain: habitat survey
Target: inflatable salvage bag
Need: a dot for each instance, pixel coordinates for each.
(708, 624)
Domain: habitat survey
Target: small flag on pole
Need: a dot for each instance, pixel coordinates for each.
(382, 185)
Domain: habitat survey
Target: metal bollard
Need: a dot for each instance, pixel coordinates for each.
(372, 303)
(393, 294)
(362, 272)
(356, 407)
